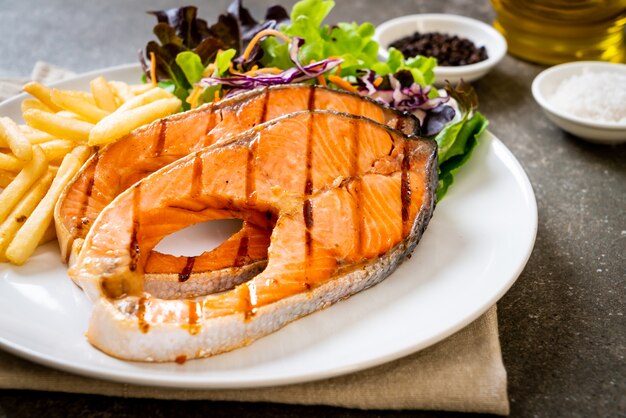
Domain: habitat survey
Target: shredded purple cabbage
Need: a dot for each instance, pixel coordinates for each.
(296, 74)
(401, 98)
(292, 75)
(433, 113)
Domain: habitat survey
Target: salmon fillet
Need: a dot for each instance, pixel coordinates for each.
(349, 199)
(110, 172)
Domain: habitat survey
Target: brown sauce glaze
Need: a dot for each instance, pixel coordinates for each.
(194, 317)
(141, 315)
(134, 249)
(405, 191)
(184, 275)
(246, 296)
(181, 359)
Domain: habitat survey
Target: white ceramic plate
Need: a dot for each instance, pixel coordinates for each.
(475, 247)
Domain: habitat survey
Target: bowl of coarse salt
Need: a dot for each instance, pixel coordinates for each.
(586, 99)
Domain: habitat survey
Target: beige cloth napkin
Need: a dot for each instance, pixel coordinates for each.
(462, 373)
(42, 72)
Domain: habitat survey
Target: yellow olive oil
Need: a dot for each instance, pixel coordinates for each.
(556, 31)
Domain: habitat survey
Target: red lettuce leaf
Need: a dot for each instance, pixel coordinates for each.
(180, 29)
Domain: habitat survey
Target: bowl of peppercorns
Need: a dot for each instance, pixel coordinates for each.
(465, 48)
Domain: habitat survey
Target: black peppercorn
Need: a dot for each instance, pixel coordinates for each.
(449, 50)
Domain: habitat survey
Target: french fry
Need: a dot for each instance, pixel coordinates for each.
(56, 122)
(82, 152)
(103, 95)
(22, 211)
(34, 104)
(84, 95)
(42, 93)
(143, 99)
(118, 124)
(35, 136)
(32, 171)
(9, 162)
(69, 115)
(6, 177)
(75, 102)
(58, 126)
(49, 235)
(140, 88)
(25, 241)
(121, 90)
(53, 169)
(16, 140)
(57, 148)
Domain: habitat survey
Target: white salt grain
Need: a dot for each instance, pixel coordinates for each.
(600, 97)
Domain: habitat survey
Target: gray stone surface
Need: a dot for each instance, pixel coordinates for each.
(562, 324)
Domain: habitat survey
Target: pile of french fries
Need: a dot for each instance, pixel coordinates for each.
(61, 130)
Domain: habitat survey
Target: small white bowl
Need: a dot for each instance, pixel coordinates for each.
(547, 82)
(476, 31)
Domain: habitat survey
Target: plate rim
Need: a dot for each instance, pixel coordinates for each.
(196, 382)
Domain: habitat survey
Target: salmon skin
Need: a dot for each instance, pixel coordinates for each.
(110, 171)
(308, 170)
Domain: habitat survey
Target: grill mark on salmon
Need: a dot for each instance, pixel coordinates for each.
(266, 98)
(354, 169)
(134, 250)
(210, 123)
(160, 142)
(81, 220)
(250, 175)
(405, 192)
(196, 179)
(277, 295)
(307, 207)
(242, 252)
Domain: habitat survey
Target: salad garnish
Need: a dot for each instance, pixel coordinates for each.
(201, 63)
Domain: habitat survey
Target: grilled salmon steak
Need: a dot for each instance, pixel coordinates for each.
(346, 199)
(115, 168)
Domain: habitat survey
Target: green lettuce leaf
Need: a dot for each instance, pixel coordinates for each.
(456, 144)
(422, 68)
(223, 61)
(457, 141)
(313, 10)
(191, 64)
